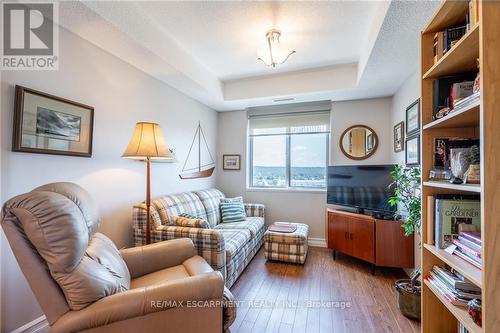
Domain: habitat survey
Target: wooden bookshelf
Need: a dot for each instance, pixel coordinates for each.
(462, 57)
(482, 121)
(468, 117)
(458, 312)
(469, 271)
(457, 187)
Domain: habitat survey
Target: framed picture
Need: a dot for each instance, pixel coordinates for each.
(399, 137)
(413, 118)
(413, 151)
(231, 162)
(48, 124)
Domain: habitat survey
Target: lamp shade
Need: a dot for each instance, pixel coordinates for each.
(147, 142)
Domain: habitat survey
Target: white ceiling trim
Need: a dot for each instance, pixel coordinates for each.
(125, 30)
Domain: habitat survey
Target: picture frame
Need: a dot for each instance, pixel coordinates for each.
(413, 118)
(399, 137)
(412, 155)
(47, 124)
(231, 162)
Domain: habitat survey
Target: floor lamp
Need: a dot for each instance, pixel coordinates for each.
(147, 144)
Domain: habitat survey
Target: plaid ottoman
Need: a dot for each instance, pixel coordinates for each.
(289, 247)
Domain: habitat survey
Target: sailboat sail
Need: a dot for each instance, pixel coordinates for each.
(203, 168)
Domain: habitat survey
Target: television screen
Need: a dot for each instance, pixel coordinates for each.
(361, 186)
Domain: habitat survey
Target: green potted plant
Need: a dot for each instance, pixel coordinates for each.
(407, 199)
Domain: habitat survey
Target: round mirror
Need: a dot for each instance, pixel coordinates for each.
(358, 142)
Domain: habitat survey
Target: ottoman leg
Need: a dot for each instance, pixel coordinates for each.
(334, 255)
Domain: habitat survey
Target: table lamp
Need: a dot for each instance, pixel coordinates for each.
(147, 144)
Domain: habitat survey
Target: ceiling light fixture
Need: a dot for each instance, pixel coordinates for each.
(274, 53)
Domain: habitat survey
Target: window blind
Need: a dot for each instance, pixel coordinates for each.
(299, 118)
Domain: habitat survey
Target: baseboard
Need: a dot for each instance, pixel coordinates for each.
(316, 242)
(38, 325)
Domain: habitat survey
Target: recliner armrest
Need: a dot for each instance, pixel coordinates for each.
(142, 301)
(150, 258)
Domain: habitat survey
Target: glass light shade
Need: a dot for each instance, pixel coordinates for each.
(148, 142)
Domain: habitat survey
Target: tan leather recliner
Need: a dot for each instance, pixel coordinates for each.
(83, 283)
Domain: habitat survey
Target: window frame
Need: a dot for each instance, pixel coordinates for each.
(288, 167)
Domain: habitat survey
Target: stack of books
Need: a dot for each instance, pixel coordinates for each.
(453, 286)
(468, 247)
(467, 101)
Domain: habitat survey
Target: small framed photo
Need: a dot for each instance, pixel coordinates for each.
(413, 118)
(231, 162)
(399, 137)
(412, 157)
(48, 124)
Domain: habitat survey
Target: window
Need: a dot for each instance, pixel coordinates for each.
(288, 150)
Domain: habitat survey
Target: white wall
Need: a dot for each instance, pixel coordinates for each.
(121, 96)
(408, 93)
(301, 206)
(374, 113)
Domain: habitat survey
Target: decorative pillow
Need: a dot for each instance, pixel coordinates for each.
(232, 212)
(186, 220)
(235, 199)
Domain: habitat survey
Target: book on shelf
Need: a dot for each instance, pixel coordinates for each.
(438, 43)
(456, 281)
(459, 91)
(454, 288)
(472, 236)
(466, 249)
(450, 212)
(441, 91)
(466, 102)
(430, 220)
(442, 150)
(468, 259)
(452, 36)
(469, 244)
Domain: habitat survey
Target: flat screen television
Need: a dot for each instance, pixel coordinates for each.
(364, 189)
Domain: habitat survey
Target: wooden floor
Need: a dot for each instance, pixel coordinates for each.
(273, 297)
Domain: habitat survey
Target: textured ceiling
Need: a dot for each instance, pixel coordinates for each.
(207, 50)
(226, 35)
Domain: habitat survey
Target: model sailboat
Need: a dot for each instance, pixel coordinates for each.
(202, 170)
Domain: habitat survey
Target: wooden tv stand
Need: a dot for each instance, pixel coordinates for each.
(379, 242)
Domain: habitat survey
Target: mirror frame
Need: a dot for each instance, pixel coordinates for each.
(375, 147)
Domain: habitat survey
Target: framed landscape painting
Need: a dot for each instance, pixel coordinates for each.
(413, 151)
(413, 118)
(48, 124)
(231, 162)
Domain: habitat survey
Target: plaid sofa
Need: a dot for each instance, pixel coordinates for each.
(227, 247)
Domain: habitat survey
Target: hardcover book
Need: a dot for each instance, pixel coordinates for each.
(443, 146)
(450, 214)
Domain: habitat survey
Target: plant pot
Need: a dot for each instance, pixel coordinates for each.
(408, 298)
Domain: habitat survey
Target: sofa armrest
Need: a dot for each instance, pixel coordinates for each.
(209, 243)
(150, 258)
(254, 210)
(143, 301)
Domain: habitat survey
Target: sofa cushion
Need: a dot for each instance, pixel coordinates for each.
(190, 222)
(253, 224)
(232, 212)
(235, 240)
(235, 199)
(176, 204)
(210, 199)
